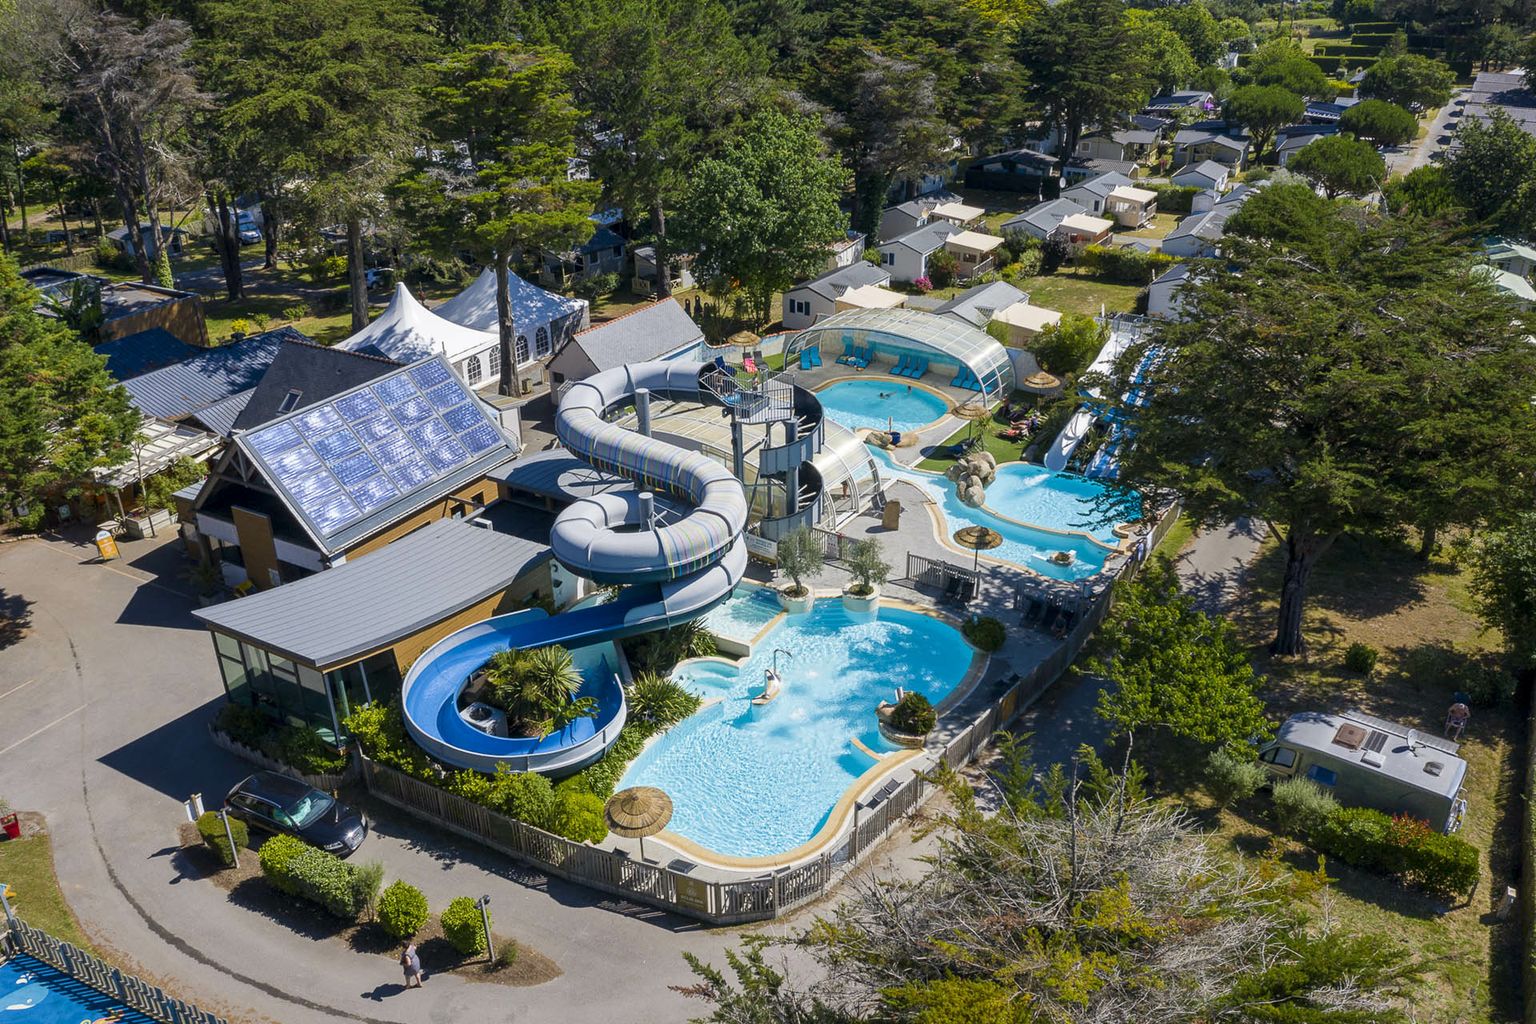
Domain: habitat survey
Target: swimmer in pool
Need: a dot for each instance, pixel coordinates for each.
(885, 394)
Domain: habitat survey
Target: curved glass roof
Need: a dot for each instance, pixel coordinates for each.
(894, 331)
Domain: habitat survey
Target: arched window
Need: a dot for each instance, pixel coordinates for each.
(541, 342)
(520, 355)
(494, 358)
(472, 370)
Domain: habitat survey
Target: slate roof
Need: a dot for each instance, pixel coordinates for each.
(834, 282)
(211, 375)
(1210, 131)
(649, 332)
(315, 371)
(1210, 169)
(977, 305)
(395, 592)
(1045, 217)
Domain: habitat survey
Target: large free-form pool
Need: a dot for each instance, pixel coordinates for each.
(752, 781)
(881, 404)
(1036, 511)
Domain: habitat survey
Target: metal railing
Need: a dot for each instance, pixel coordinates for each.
(128, 990)
(768, 894)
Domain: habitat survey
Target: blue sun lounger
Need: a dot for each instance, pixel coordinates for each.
(861, 357)
(917, 369)
(815, 353)
(849, 352)
(900, 369)
(805, 359)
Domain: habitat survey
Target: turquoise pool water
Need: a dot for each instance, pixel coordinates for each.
(744, 614)
(31, 992)
(755, 781)
(1036, 511)
(881, 404)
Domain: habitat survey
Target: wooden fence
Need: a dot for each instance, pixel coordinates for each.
(771, 893)
(328, 783)
(103, 977)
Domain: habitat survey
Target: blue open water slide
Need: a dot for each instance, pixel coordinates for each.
(678, 566)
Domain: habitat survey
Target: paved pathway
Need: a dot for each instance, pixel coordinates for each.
(1416, 155)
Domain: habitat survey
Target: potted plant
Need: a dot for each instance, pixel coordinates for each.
(907, 722)
(207, 578)
(866, 561)
(799, 556)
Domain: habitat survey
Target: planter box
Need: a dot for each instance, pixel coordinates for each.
(797, 605)
(139, 527)
(903, 739)
(868, 603)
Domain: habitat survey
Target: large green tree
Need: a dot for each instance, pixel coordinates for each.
(1172, 667)
(763, 213)
(1314, 381)
(1504, 571)
(493, 178)
(63, 414)
(1086, 64)
(1283, 63)
(661, 81)
(1263, 110)
(1407, 79)
(1381, 122)
(1341, 165)
(1169, 63)
(1493, 172)
(329, 89)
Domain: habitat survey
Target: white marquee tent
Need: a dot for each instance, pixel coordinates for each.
(543, 319)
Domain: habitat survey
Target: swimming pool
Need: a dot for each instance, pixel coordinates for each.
(32, 992)
(881, 404)
(750, 781)
(744, 614)
(1036, 511)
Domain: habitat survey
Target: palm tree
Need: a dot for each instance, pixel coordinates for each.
(538, 688)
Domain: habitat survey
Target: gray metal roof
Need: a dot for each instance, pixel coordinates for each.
(1100, 186)
(1046, 216)
(558, 475)
(977, 305)
(345, 612)
(220, 417)
(926, 239)
(1209, 169)
(649, 332)
(212, 375)
(834, 282)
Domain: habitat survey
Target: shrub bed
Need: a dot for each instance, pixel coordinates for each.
(913, 715)
(211, 828)
(986, 633)
(298, 869)
(1123, 264)
(462, 926)
(403, 910)
(294, 745)
(1175, 198)
(1402, 846)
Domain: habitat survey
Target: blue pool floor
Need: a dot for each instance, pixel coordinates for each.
(32, 992)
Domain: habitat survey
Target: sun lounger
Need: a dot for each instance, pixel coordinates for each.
(722, 365)
(805, 360)
(815, 354)
(863, 356)
(848, 352)
(918, 368)
(749, 365)
(900, 369)
(1032, 610)
(1048, 620)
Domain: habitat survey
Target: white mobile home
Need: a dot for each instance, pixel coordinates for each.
(1370, 762)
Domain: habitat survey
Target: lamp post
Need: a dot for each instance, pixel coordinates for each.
(483, 903)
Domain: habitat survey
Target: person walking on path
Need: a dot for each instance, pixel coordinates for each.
(411, 962)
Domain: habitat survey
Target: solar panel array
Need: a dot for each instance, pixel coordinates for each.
(345, 458)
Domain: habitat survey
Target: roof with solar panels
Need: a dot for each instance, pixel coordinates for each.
(364, 458)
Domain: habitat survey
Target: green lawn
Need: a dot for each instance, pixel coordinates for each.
(1072, 291)
(26, 865)
(1002, 450)
(1178, 535)
(1161, 225)
(1417, 615)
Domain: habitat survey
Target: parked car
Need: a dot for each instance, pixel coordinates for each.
(378, 277)
(277, 803)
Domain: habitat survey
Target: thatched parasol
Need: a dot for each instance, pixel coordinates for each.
(978, 539)
(637, 812)
(973, 411)
(1041, 381)
(743, 339)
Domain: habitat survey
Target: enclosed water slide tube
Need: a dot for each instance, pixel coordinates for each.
(678, 558)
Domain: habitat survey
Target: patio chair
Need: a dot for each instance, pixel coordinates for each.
(1048, 620)
(966, 592)
(1032, 610)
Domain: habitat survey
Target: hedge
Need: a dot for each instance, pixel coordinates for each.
(1376, 39)
(298, 869)
(1124, 264)
(1175, 198)
(1348, 50)
(1402, 846)
(985, 632)
(1389, 27)
(1333, 65)
(212, 830)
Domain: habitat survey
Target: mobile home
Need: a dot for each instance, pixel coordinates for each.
(1370, 762)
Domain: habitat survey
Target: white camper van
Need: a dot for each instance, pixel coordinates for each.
(1370, 762)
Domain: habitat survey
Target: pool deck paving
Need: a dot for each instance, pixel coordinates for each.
(104, 705)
